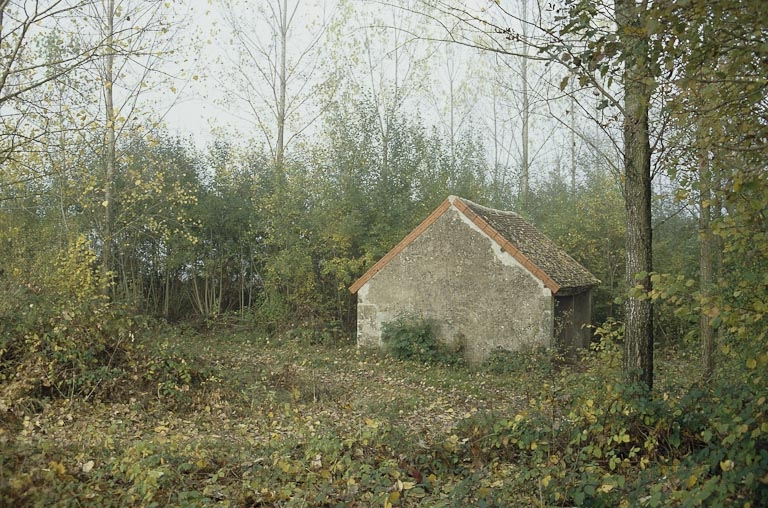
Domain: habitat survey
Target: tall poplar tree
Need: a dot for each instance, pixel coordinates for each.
(138, 41)
(278, 66)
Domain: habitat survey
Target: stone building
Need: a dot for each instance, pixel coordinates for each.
(487, 278)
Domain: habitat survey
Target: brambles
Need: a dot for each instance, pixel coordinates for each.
(61, 338)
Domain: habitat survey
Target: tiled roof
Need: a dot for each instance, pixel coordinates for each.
(533, 245)
(558, 271)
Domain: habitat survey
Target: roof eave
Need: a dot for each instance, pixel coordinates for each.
(575, 290)
(506, 245)
(405, 242)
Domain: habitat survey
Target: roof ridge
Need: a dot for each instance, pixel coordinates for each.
(504, 243)
(503, 227)
(495, 210)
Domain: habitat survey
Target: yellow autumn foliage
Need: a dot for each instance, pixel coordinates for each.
(75, 275)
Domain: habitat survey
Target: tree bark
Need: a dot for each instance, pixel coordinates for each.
(572, 141)
(109, 172)
(283, 84)
(526, 116)
(706, 266)
(638, 81)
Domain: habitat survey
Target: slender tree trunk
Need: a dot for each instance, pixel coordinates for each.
(524, 136)
(707, 248)
(573, 141)
(706, 265)
(167, 294)
(109, 173)
(526, 115)
(452, 126)
(242, 275)
(638, 336)
(281, 106)
(496, 161)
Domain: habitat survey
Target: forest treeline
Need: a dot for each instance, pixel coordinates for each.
(633, 133)
(273, 229)
(221, 232)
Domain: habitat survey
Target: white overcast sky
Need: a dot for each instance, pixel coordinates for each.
(198, 112)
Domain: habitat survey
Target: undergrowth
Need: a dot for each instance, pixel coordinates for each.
(245, 420)
(587, 440)
(62, 338)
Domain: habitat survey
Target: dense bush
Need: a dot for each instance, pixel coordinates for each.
(416, 338)
(587, 441)
(60, 335)
(63, 338)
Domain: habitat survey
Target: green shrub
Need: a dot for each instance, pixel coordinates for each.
(415, 338)
(61, 337)
(585, 440)
(725, 432)
(52, 348)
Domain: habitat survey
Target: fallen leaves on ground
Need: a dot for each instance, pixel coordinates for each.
(277, 423)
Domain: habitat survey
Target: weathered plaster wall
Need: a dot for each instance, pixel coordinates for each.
(454, 273)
